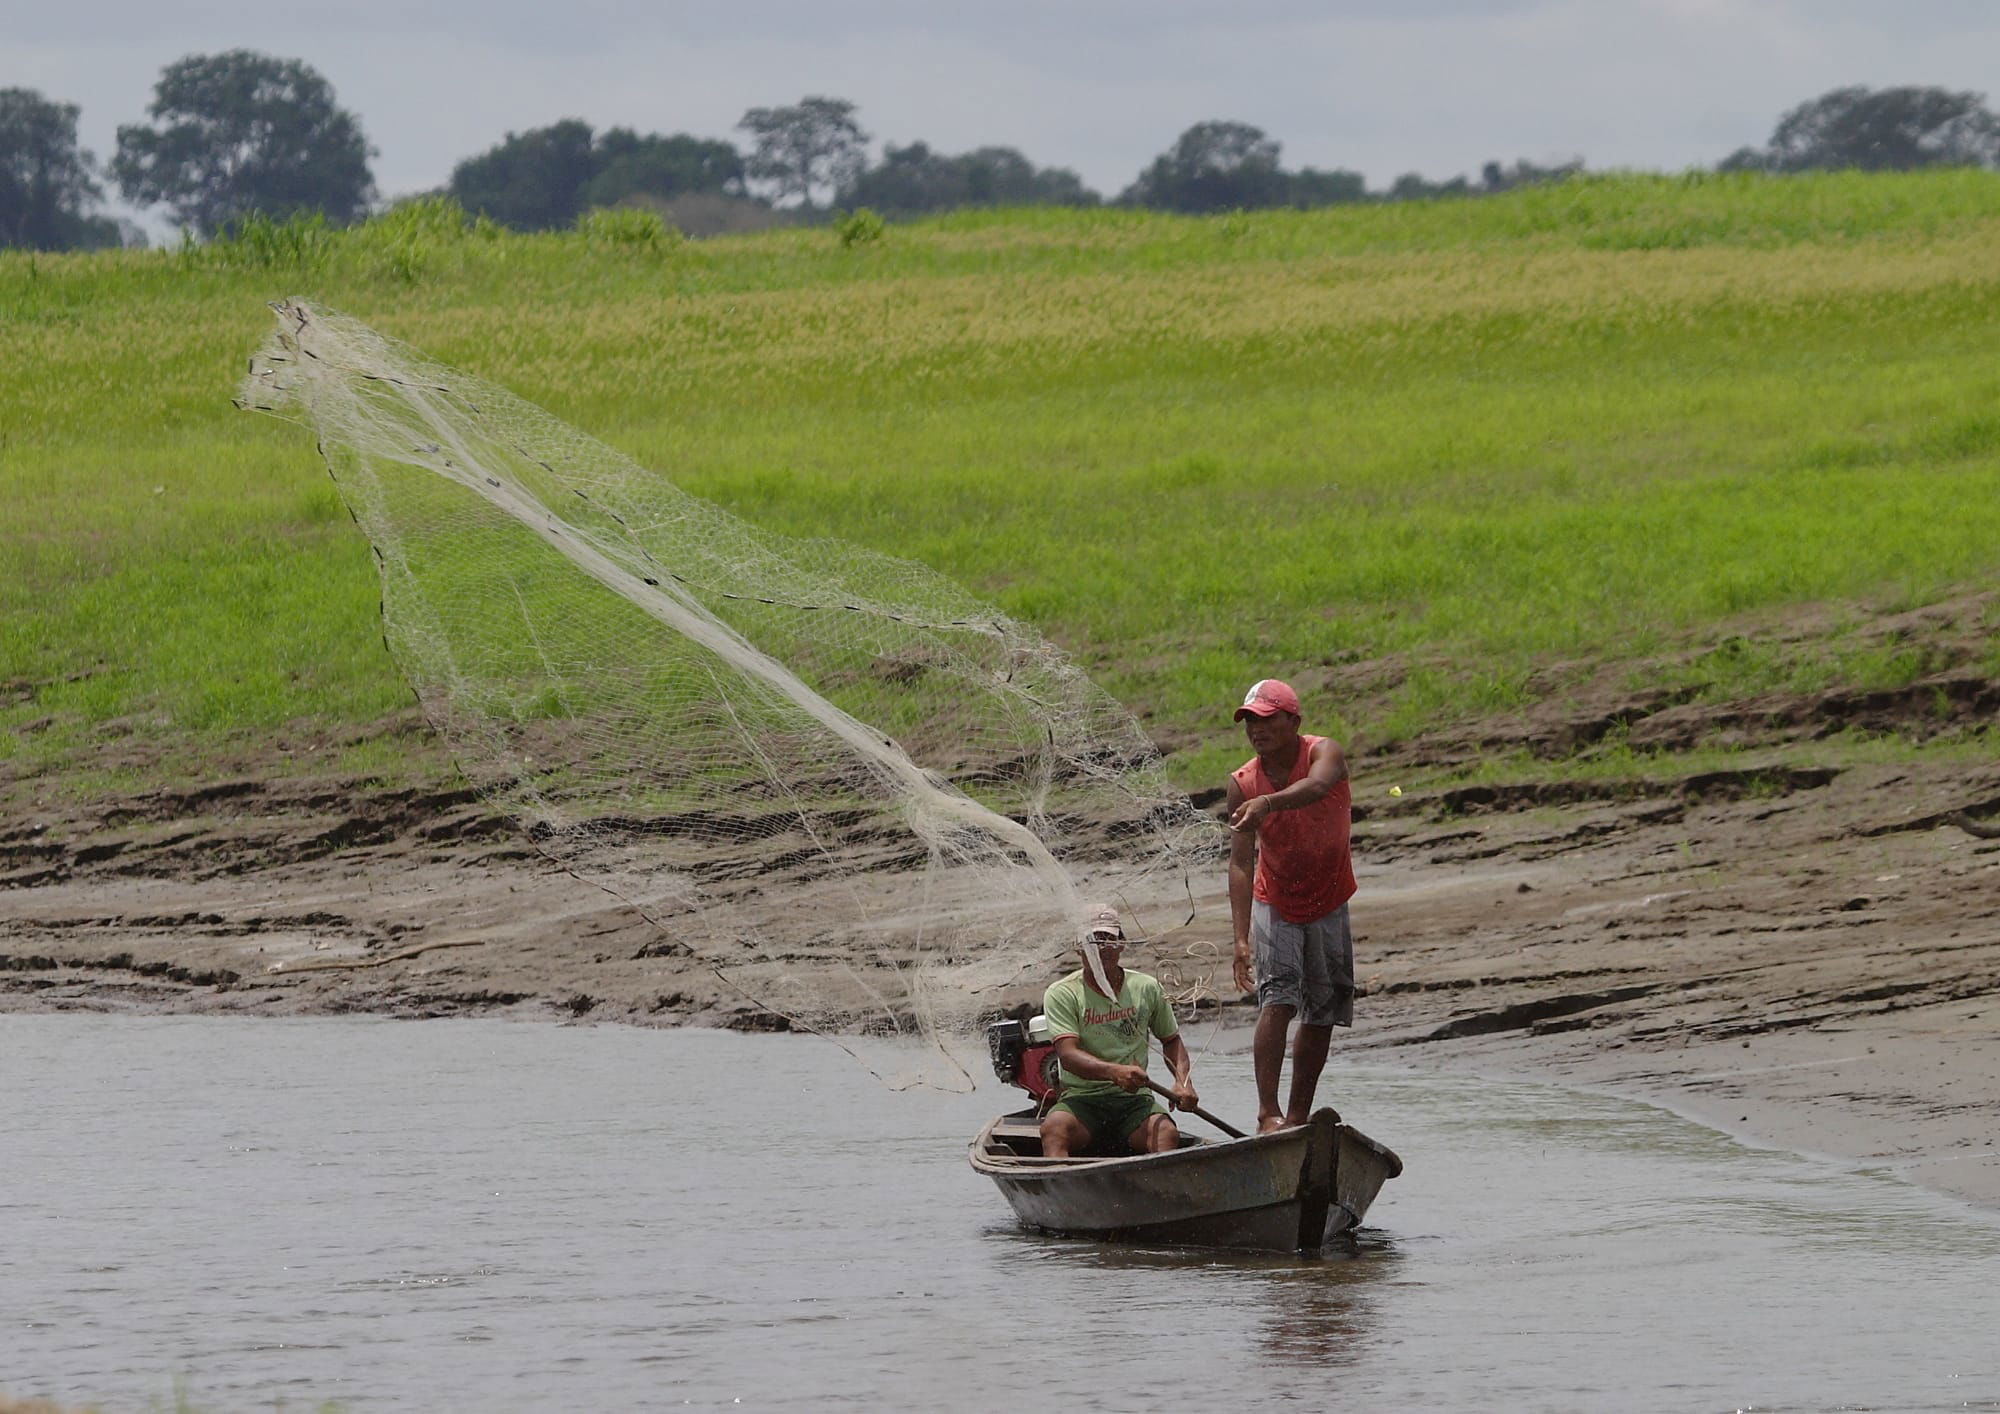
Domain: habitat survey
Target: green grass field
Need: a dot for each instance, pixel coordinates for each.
(1598, 421)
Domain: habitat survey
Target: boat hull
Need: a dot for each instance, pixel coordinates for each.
(1290, 1191)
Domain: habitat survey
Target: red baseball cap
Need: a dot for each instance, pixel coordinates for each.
(1268, 697)
(1104, 926)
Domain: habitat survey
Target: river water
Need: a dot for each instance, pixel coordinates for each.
(481, 1214)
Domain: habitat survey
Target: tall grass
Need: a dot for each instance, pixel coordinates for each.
(1584, 421)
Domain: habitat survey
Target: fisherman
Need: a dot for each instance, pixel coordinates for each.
(1290, 877)
(1100, 1038)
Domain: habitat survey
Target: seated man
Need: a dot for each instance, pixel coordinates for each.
(1100, 1037)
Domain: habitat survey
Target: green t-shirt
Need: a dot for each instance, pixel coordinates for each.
(1110, 1030)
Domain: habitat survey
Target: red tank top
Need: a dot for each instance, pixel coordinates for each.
(1303, 867)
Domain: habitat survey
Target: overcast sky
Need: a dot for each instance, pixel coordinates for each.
(1379, 86)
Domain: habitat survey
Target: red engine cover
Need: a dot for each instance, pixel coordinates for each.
(1039, 1075)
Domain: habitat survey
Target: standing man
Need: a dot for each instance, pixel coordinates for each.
(1289, 819)
(1101, 1040)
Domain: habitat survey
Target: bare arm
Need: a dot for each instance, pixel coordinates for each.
(1242, 867)
(1325, 769)
(1077, 1061)
(1175, 1052)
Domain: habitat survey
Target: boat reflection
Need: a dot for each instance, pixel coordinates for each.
(1314, 1312)
(1323, 1310)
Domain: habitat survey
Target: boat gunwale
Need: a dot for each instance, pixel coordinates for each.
(1200, 1145)
(1207, 1149)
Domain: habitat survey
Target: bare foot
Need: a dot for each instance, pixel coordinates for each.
(1271, 1124)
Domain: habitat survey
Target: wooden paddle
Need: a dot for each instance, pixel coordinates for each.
(1231, 1130)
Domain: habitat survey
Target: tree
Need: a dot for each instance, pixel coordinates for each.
(46, 182)
(625, 165)
(916, 179)
(814, 144)
(1890, 129)
(543, 179)
(242, 132)
(1494, 178)
(1414, 186)
(1311, 187)
(532, 181)
(908, 179)
(1214, 166)
(1001, 176)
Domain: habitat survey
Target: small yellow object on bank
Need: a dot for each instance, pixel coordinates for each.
(1395, 790)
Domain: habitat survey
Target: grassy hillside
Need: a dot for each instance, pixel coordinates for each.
(1599, 421)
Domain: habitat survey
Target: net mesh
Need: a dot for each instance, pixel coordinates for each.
(866, 799)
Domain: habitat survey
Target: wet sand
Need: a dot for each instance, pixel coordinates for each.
(1807, 958)
(1817, 970)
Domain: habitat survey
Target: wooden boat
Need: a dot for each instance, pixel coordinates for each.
(1285, 1192)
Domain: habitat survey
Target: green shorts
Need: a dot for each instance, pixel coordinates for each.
(1117, 1113)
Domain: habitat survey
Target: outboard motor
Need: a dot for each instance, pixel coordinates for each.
(1024, 1056)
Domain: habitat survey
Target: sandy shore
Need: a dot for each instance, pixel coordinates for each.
(1809, 959)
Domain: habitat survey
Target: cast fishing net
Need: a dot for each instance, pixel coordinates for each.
(867, 800)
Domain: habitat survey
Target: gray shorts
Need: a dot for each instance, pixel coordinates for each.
(1306, 966)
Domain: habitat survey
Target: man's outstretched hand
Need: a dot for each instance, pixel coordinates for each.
(1250, 812)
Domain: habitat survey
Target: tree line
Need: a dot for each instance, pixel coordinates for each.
(240, 134)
